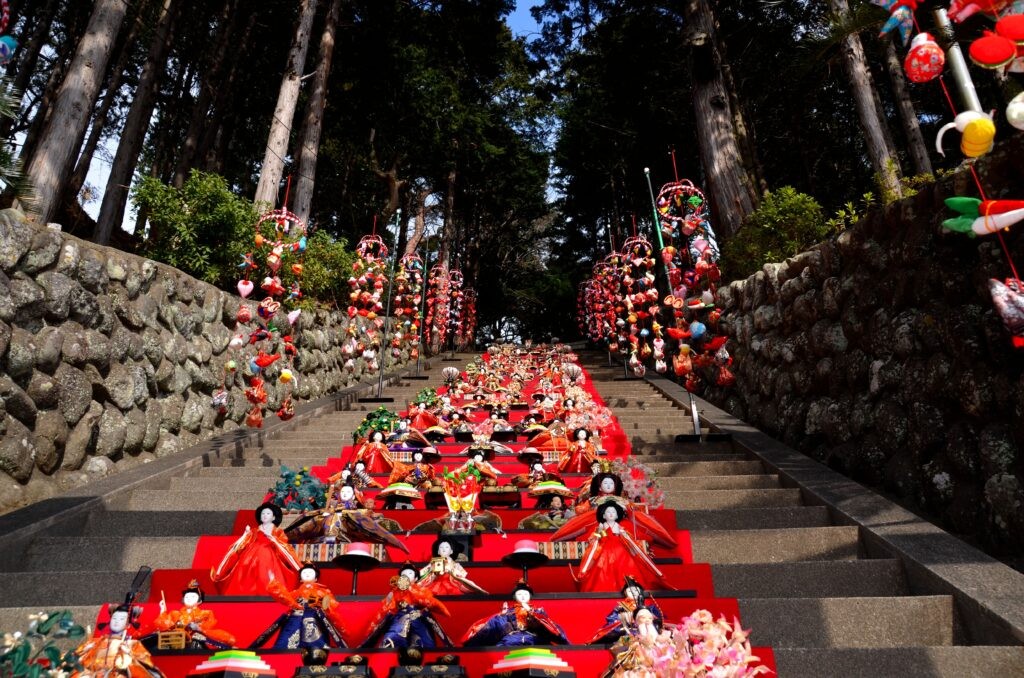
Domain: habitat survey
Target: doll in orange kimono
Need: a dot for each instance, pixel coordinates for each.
(443, 575)
(374, 453)
(198, 625)
(420, 419)
(580, 454)
(257, 557)
(315, 617)
(113, 651)
(612, 553)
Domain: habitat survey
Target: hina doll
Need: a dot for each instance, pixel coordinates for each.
(551, 440)
(198, 625)
(420, 474)
(639, 652)
(421, 419)
(113, 652)
(480, 459)
(406, 617)
(552, 512)
(623, 619)
(314, 620)
(345, 519)
(257, 557)
(580, 454)
(613, 552)
(516, 625)
(374, 453)
(444, 575)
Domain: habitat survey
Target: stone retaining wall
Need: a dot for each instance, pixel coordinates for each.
(880, 353)
(108, 360)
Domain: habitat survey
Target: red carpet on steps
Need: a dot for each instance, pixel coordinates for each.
(579, 614)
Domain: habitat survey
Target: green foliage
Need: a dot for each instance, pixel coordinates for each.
(381, 419)
(202, 229)
(326, 269)
(299, 489)
(11, 171)
(32, 653)
(427, 396)
(787, 222)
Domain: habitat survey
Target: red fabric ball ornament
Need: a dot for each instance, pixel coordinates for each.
(925, 59)
(993, 51)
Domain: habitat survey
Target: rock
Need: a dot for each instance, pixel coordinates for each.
(120, 386)
(5, 337)
(46, 245)
(148, 310)
(82, 439)
(1005, 497)
(152, 346)
(135, 432)
(17, 451)
(171, 411)
(116, 269)
(218, 336)
(15, 239)
(107, 317)
(83, 307)
(997, 450)
(92, 271)
(110, 432)
(76, 392)
(49, 343)
(149, 269)
(70, 254)
(97, 349)
(167, 445)
(44, 390)
(16, 402)
(153, 419)
(40, 488)
(124, 308)
(57, 292)
(98, 467)
(202, 377)
(51, 426)
(212, 303)
(133, 280)
(192, 415)
(28, 299)
(21, 354)
(12, 493)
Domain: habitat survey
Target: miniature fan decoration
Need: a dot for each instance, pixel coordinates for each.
(438, 298)
(280, 238)
(367, 282)
(407, 302)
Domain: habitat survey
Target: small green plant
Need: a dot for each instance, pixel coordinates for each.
(381, 419)
(32, 654)
(327, 267)
(299, 489)
(427, 396)
(786, 223)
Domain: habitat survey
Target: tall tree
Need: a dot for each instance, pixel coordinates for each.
(51, 163)
(284, 112)
(27, 56)
(883, 156)
(132, 136)
(730, 182)
(907, 113)
(309, 144)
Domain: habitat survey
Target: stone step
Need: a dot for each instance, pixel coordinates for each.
(775, 546)
(726, 499)
(686, 469)
(152, 524)
(164, 500)
(811, 579)
(268, 472)
(217, 485)
(320, 451)
(900, 662)
(655, 456)
(753, 519)
(61, 554)
(289, 445)
(849, 622)
(673, 451)
(733, 482)
(45, 591)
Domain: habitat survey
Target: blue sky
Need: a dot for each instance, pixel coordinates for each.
(520, 20)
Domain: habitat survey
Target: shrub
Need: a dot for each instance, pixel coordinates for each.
(786, 223)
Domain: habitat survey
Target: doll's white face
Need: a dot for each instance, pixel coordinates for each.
(633, 592)
(346, 493)
(581, 435)
(409, 574)
(556, 502)
(607, 485)
(417, 457)
(266, 516)
(307, 574)
(118, 621)
(378, 437)
(360, 466)
(522, 596)
(345, 474)
(610, 515)
(538, 467)
(444, 549)
(190, 599)
(478, 458)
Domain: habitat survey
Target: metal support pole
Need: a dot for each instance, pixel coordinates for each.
(957, 64)
(696, 418)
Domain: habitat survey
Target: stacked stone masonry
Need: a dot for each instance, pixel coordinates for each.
(108, 360)
(880, 353)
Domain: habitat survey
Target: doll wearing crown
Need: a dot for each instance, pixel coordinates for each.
(406, 616)
(623, 618)
(113, 651)
(197, 624)
(444, 575)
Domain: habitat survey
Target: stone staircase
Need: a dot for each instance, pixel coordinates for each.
(805, 578)
(804, 581)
